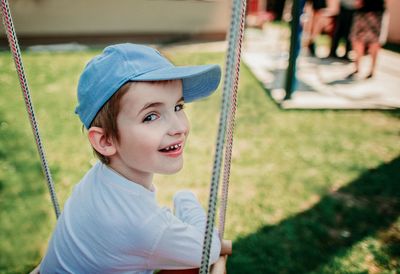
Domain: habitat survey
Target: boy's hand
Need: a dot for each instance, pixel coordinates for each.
(219, 267)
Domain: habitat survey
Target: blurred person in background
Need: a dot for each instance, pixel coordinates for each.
(342, 29)
(366, 30)
(316, 23)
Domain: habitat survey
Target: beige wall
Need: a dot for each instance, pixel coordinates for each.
(70, 17)
(393, 7)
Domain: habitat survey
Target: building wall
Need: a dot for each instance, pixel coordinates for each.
(105, 17)
(393, 8)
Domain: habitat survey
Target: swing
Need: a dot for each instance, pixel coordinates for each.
(225, 134)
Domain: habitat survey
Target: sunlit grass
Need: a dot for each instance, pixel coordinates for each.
(288, 167)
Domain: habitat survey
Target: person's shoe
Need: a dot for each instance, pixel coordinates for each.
(352, 75)
(370, 75)
(345, 58)
(329, 57)
(332, 55)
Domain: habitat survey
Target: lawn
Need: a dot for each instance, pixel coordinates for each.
(310, 192)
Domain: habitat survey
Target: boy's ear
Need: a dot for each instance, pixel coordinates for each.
(104, 146)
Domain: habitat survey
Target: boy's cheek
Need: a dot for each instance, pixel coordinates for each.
(187, 126)
(188, 130)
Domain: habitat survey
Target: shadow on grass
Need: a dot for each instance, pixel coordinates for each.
(307, 241)
(394, 113)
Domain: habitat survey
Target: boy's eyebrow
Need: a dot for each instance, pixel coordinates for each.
(156, 104)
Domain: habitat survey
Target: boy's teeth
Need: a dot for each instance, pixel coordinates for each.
(173, 147)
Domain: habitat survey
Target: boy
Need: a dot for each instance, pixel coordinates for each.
(131, 99)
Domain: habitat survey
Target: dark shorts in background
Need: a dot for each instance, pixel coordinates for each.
(366, 27)
(318, 4)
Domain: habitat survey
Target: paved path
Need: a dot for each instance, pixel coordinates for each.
(322, 82)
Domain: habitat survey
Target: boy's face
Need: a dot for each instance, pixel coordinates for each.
(152, 129)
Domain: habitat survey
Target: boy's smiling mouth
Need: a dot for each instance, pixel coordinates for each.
(173, 150)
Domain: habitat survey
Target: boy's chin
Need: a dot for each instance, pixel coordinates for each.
(172, 169)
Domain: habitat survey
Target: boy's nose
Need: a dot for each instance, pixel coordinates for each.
(178, 126)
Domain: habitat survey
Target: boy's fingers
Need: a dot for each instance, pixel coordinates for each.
(220, 266)
(226, 247)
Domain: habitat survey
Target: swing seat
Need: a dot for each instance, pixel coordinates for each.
(217, 268)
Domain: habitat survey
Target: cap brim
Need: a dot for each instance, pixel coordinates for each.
(197, 81)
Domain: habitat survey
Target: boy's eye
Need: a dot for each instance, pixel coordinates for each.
(150, 117)
(179, 107)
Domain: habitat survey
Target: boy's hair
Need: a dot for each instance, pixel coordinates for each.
(106, 118)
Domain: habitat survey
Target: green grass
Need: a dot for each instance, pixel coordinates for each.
(310, 192)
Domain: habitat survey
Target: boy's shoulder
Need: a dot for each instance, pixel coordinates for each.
(106, 193)
(103, 202)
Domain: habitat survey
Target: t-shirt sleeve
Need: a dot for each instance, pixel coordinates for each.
(181, 240)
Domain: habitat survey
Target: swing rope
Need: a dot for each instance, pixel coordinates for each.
(228, 104)
(16, 52)
(230, 128)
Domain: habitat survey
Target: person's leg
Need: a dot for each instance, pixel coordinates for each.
(359, 48)
(308, 26)
(316, 23)
(279, 6)
(342, 30)
(347, 23)
(336, 36)
(375, 25)
(316, 27)
(357, 37)
(373, 51)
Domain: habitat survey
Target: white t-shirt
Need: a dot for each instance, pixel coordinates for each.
(113, 225)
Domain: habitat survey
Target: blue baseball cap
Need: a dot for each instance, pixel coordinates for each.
(122, 63)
